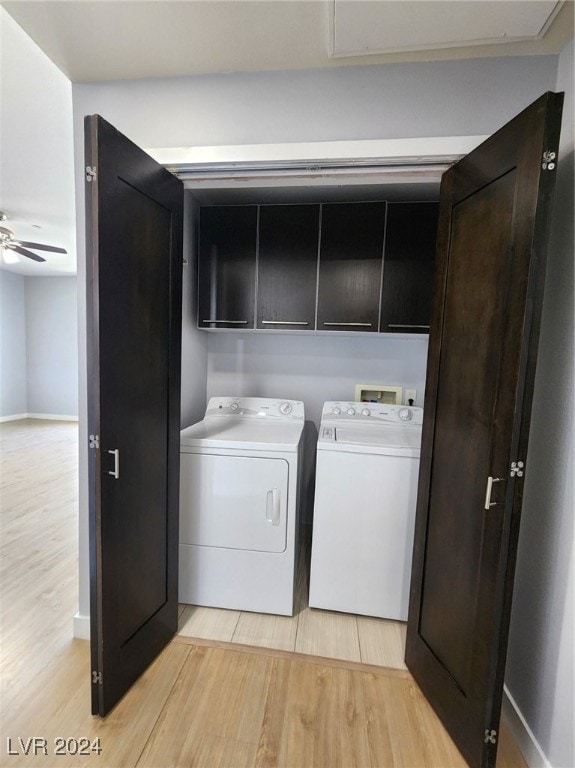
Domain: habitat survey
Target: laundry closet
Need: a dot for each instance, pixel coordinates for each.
(307, 293)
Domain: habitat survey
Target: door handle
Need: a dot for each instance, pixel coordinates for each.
(273, 506)
(490, 481)
(116, 471)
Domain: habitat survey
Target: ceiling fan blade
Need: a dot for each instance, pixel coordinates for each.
(40, 247)
(24, 252)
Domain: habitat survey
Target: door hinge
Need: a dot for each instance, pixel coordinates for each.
(490, 736)
(91, 173)
(94, 441)
(97, 678)
(548, 163)
(516, 469)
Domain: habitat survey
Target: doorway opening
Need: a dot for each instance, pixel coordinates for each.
(249, 364)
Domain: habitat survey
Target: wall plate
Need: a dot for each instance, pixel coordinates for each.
(378, 393)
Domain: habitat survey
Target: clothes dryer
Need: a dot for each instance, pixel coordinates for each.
(364, 509)
(239, 505)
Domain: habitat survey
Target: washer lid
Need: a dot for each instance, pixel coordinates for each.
(390, 441)
(242, 434)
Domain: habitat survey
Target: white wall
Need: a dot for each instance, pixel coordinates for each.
(312, 368)
(36, 149)
(39, 349)
(446, 98)
(12, 345)
(36, 168)
(52, 346)
(540, 669)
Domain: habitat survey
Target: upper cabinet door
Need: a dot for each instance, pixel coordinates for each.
(287, 266)
(351, 259)
(408, 267)
(227, 264)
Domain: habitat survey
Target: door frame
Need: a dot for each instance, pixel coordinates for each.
(325, 162)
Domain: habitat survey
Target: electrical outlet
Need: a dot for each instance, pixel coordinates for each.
(410, 394)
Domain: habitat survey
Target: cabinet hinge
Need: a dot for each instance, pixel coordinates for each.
(91, 173)
(94, 441)
(490, 736)
(97, 678)
(516, 469)
(548, 163)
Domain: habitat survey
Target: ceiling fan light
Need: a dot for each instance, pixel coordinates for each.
(9, 257)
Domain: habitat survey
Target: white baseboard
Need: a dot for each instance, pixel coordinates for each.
(51, 417)
(524, 736)
(14, 417)
(48, 416)
(81, 626)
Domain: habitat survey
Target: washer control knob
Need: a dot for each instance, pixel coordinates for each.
(405, 414)
(365, 412)
(351, 411)
(235, 407)
(336, 411)
(285, 408)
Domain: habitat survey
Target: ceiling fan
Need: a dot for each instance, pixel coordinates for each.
(10, 243)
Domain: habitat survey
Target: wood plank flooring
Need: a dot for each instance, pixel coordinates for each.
(198, 704)
(39, 538)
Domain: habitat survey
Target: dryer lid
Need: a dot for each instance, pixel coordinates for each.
(242, 434)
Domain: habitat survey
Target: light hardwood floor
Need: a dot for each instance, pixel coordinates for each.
(198, 704)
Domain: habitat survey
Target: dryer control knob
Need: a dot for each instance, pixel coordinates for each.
(365, 412)
(351, 411)
(285, 408)
(336, 411)
(405, 414)
(234, 407)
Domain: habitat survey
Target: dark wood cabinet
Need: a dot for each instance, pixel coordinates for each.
(227, 266)
(408, 267)
(350, 267)
(363, 267)
(287, 267)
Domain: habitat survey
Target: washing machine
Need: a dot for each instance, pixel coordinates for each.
(364, 509)
(240, 490)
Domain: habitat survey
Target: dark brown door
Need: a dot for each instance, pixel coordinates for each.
(494, 216)
(134, 257)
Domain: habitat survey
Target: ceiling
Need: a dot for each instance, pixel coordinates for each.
(99, 40)
(102, 40)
